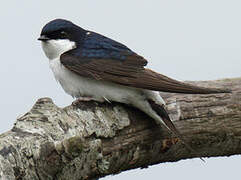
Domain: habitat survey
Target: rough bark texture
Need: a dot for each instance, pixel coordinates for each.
(96, 139)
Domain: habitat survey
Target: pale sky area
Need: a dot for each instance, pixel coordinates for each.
(184, 39)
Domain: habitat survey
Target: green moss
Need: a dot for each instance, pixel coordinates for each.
(75, 146)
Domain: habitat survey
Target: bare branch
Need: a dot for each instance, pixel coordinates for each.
(97, 139)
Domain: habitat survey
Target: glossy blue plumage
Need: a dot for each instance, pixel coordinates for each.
(100, 47)
(58, 25)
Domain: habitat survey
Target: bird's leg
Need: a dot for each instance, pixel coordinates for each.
(88, 98)
(85, 99)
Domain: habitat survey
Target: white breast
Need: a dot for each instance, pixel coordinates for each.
(78, 86)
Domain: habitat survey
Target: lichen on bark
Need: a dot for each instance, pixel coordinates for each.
(94, 139)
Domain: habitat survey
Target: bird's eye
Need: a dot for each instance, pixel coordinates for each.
(63, 34)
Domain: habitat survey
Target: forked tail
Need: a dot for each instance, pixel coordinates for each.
(161, 111)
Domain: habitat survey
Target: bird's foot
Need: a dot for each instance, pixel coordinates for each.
(82, 99)
(85, 99)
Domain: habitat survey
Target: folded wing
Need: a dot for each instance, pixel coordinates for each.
(129, 72)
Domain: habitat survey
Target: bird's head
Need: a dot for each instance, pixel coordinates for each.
(59, 36)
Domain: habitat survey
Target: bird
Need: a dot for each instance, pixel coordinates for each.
(91, 66)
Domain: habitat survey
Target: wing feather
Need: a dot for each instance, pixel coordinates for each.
(130, 72)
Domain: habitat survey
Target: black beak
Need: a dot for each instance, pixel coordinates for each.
(43, 38)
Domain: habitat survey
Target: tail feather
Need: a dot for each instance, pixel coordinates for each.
(161, 111)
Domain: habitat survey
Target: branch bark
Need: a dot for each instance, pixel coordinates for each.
(98, 139)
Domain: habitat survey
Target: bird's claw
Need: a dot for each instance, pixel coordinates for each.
(86, 99)
(82, 99)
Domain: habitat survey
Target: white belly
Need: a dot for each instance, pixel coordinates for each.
(78, 86)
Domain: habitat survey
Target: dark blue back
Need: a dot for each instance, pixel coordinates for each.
(100, 47)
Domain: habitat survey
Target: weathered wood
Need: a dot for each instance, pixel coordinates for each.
(94, 139)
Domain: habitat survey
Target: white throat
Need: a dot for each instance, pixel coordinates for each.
(54, 48)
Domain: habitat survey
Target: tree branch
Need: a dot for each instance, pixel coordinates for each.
(97, 139)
